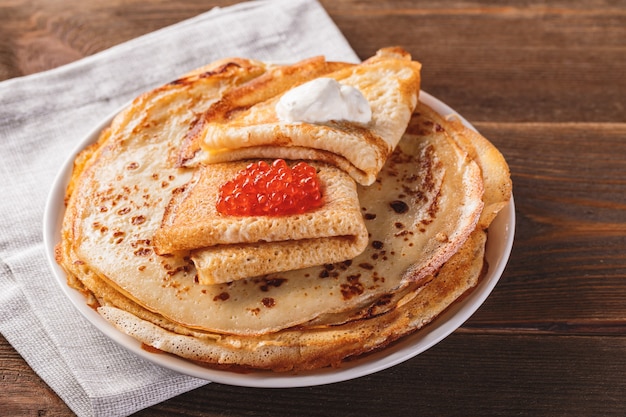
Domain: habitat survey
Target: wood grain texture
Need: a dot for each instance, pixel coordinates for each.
(566, 274)
(22, 392)
(545, 82)
(448, 380)
(513, 64)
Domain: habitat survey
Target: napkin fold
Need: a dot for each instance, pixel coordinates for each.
(44, 116)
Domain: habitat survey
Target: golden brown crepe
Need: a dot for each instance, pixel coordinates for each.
(306, 348)
(244, 124)
(227, 247)
(425, 216)
(426, 202)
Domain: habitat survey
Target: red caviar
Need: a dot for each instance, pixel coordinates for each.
(271, 190)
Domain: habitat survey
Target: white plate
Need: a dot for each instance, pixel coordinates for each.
(499, 244)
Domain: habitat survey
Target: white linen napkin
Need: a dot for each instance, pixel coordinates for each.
(44, 116)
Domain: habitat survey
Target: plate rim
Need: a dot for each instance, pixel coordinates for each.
(406, 348)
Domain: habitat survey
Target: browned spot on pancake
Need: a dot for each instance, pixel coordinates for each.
(267, 283)
(268, 302)
(334, 270)
(399, 206)
(137, 220)
(223, 296)
(119, 236)
(400, 157)
(143, 252)
(254, 311)
(139, 242)
(352, 288)
(377, 278)
(375, 308)
(366, 265)
(404, 233)
(181, 268)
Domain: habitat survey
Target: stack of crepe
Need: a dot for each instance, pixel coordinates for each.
(408, 197)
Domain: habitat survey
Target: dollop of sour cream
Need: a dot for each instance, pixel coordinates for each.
(321, 100)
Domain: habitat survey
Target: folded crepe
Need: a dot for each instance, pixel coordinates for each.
(244, 124)
(426, 203)
(228, 247)
(426, 215)
(304, 348)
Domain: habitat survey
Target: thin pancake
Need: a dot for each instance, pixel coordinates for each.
(228, 248)
(191, 219)
(302, 349)
(424, 213)
(276, 80)
(424, 205)
(390, 82)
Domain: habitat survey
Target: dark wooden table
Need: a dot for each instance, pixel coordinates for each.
(545, 81)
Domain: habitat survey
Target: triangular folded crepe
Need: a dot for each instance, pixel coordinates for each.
(227, 248)
(244, 124)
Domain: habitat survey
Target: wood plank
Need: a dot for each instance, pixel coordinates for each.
(23, 392)
(511, 66)
(493, 63)
(545, 83)
(43, 34)
(568, 266)
(463, 375)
